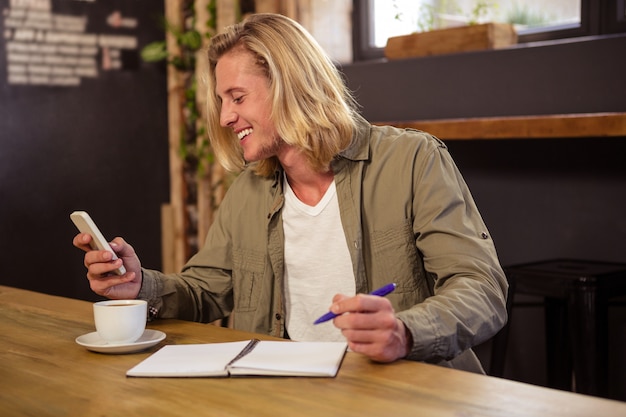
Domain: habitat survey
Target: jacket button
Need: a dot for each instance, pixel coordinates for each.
(484, 235)
(278, 316)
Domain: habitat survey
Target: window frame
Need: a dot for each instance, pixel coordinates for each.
(597, 17)
(615, 16)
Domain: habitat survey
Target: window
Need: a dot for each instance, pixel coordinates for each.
(535, 20)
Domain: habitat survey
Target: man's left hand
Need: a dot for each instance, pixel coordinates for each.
(371, 327)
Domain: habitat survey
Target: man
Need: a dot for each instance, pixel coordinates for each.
(326, 206)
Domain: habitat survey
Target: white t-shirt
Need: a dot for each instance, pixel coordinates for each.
(317, 265)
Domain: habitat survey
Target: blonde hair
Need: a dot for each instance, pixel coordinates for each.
(312, 108)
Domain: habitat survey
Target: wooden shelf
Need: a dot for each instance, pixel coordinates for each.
(523, 127)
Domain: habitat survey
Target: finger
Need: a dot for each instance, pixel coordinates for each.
(101, 263)
(82, 241)
(103, 285)
(104, 269)
(376, 352)
(380, 320)
(361, 335)
(117, 248)
(376, 344)
(121, 247)
(339, 297)
(97, 256)
(373, 303)
(365, 322)
(109, 281)
(361, 303)
(381, 346)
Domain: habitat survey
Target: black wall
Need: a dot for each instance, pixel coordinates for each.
(541, 198)
(100, 147)
(572, 76)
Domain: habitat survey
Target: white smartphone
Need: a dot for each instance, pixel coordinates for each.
(83, 222)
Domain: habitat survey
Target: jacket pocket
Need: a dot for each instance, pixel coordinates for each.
(397, 259)
(248, 269)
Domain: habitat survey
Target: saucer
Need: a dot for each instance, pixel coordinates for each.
(94, 343)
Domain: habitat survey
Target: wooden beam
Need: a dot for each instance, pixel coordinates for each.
(523, 127)
(205, 208)
(267, 6)
(174, 246)
(227, 11)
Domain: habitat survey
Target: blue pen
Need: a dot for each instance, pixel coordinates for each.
(381, 292)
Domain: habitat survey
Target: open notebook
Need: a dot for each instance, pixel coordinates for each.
(246, 358)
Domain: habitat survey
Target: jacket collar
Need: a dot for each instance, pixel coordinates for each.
(358, 150)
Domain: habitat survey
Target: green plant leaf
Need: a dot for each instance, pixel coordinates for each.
(154, 52)
(191, 39)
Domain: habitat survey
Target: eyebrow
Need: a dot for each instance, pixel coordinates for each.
(230, 91)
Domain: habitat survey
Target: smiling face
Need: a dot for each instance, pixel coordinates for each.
(246, 104)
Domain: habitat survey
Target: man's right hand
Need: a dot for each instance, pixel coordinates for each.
(100, 266)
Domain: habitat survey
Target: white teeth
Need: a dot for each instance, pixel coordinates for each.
(244, 133)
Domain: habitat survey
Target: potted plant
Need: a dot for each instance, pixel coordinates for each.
(471, 35)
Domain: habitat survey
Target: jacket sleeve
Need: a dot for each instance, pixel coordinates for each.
(469, 301)
(203, 290)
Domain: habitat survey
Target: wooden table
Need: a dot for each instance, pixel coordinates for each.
(44, 372)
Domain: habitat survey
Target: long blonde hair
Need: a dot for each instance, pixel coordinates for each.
(312, 108)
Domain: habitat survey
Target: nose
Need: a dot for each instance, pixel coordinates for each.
(227, 116)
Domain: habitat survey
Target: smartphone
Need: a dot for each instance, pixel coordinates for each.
(85, 224)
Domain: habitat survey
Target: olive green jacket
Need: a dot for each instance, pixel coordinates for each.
(408, 218)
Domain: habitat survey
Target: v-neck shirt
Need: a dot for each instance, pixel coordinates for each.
(317, 264)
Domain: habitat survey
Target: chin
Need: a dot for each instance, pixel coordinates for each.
(248, 158)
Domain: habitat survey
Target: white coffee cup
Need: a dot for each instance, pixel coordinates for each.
(120, 321)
